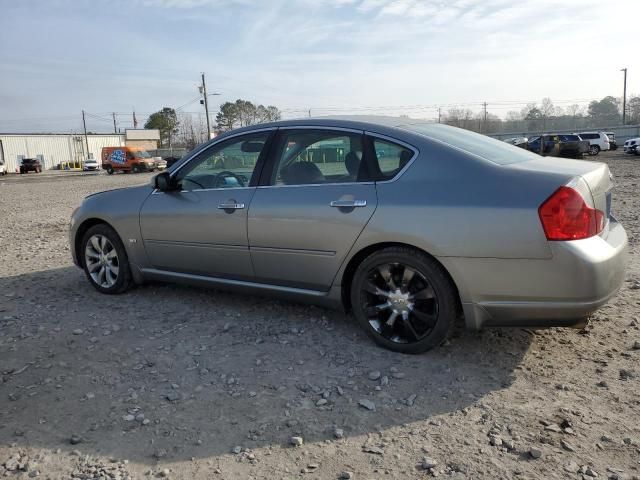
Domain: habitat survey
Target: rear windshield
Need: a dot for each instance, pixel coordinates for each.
(486, 147)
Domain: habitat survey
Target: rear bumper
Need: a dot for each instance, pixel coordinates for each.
(581, 276)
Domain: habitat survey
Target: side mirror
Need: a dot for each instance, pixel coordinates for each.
(163, 182)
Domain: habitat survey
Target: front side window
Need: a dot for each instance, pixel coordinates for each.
(309, 157)
(230, 164)
(391, 157)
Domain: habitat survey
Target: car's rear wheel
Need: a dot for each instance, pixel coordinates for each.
(136, 168)
(594, 150)
(404, 300)
(105, 260)
(109, 169)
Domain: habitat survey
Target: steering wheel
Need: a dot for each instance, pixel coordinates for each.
(227, 174)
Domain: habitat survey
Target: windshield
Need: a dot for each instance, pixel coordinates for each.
(141, 154)
(488, 148)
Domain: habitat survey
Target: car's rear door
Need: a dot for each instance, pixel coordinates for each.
(314, 200)
(201, 228)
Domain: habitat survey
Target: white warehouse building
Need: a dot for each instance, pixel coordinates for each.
(55, 149)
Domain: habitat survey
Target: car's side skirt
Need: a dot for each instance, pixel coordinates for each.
(323, 298)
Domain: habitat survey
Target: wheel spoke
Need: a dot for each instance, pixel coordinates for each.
(376, 309)
(427, 318)
(92, 267)
(374, 290)
(385, 273)
(101, 275)
(113, 268)
(96, 244)
(109, 276)
(392, 319)
(90, 252)
(407, 322)
(103, 243)
(407, 276)
(112, 254)
(426, 293)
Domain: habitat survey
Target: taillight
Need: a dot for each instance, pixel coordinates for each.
(565, 216)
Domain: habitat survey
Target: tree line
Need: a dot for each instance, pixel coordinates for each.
(182, 130)
(546, 116)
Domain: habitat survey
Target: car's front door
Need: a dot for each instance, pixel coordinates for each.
(201, 227)
(307, 214)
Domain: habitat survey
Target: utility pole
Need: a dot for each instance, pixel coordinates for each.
(624, 98)
(309, 113)
(484, 127)
(438, 114)
(115, 128)
(86, 139)
(206, 106)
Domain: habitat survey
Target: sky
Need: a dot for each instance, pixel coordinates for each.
(390, 57)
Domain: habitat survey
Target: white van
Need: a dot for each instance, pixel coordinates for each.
(598, 141)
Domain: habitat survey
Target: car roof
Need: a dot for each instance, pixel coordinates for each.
(392, 126)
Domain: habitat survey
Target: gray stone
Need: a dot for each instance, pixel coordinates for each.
(296, 441)
(375, 375)
(338, 433)
(571, 467)
(237, 449)
(346, 475)
(428, 463)
(567, 446)
(535, 452)
(368, 404)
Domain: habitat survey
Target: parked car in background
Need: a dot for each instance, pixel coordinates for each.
(446, 222)
(171, 160)
(613, 145)
(632, 146)
(90, 164)
(3, 168)
(598, 141)
(127, 159)
(517, 141)
(559, 145)
(30, 165)
(161, 163)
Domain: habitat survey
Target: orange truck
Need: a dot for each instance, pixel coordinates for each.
(129, 159)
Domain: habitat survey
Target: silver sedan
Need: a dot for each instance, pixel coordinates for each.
(408, 225)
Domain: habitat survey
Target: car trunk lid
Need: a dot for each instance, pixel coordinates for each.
(598, 181)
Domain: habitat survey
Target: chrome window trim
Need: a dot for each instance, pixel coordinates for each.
(415, 151)
(322, 127)
(157, 192)
(332, 184)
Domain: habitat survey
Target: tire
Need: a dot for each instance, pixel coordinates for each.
(136, 168)
(96, 254)
(417, 325)
(594, 150)
(109, 169)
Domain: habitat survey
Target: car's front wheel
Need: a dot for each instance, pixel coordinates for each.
(594, 150)
(105, 260)
(404, 300)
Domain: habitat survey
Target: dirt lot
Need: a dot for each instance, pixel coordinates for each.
(188, 383)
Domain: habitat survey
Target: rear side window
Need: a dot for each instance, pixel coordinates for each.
(589, 136)
(569, 138)
(311, 157)
(488, 148)
(391, 157)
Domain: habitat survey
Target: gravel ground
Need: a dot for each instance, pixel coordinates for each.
(178, 382)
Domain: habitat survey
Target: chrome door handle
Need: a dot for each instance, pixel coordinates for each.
(231, 206)
(348, 203)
